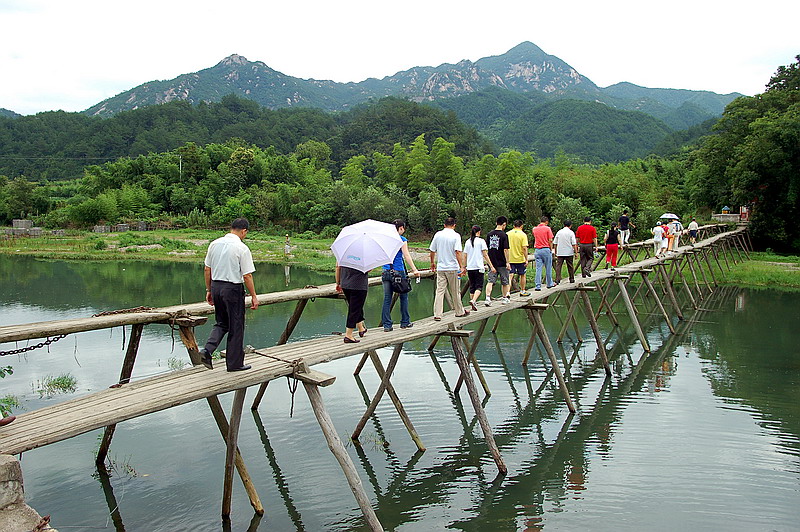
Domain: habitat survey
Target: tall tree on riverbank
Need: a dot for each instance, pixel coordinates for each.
(753, 158)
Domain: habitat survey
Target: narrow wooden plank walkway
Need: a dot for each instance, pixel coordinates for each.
(127, 401)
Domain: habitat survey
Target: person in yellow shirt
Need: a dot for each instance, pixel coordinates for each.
(518, 255)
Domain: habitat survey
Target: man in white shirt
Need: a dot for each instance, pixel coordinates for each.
(693, 227)
(447, 260)
(228, 270)
(565, 247)
(658, 239)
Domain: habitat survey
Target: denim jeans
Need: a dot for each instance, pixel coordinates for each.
(544, 259)
(386, 315)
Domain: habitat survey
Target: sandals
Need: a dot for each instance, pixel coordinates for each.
(350, 340)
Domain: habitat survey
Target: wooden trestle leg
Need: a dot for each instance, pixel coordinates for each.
(124, 378)
(231, 450)
(660, 305)
(189, 340)
(535, 318)
(632, 313)
(337, 448)
(379, 393)
(598, 338)
(474, 361)
(463, 365)
(398, 405)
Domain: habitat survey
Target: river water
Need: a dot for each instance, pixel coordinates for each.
(701, 434)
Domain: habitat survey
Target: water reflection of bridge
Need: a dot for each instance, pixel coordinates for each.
(681, 280)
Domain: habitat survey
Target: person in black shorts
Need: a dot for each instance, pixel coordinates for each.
(497, 242)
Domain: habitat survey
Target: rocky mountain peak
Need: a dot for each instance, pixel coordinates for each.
(234, 59)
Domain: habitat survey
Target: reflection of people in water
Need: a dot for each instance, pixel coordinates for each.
(576, 475)
(287, 270)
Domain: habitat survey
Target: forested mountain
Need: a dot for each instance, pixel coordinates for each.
(525, 69)
(6, 112)
(57, 145)
(592, 130)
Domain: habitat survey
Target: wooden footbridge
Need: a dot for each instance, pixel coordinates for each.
(689, 274)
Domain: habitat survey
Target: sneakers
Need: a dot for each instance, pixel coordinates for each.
(488, 302)
(406, 326)
(505, 300)
(524, 293)
(538, 289)
(473, 305)
(388, 329)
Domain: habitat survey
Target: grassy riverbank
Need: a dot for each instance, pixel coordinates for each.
(182, 245)
(767, 270)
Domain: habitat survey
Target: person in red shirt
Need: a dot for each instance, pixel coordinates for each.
(543, 241)
(587, 242)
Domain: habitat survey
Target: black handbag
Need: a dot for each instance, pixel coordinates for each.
(400, 283)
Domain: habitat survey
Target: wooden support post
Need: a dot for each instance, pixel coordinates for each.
(598, 338)
(398, 405)
(735, 245)
(124, 378)
(694, 258)
(604, 303)
(705, 253)
(222, 423)
(463, 365)
(189, 340)
(749, 240)
(496, 322)
(434, 342)
(340, 453)
(660, 305)
(714, 253)
(569, 318)
(694, 277)
(531, 340)
(361, 363)
(230, 453)
(687, 289)
(538, 324)
(379, 393)
(670, 292)
(743, 244)
(287, 332)
(632, 313)
(474, 361)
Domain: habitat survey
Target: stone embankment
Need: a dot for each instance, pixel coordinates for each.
(15, 515)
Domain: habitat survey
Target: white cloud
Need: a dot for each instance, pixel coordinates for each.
(71, 55)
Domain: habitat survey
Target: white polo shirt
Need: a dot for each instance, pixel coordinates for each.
(445, 243)
(564, 241)
(229, 259)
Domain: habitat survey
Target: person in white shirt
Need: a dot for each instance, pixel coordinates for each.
(447, 260)
(228, 270)
(477, 256)
(565, 247)
(693, 227)
(658, 238)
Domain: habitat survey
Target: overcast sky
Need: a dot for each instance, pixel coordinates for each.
(57, 54)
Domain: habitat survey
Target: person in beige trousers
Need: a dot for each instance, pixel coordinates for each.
(448, 261)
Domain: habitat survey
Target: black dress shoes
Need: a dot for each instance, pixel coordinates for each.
(206, 360)
(241, 368)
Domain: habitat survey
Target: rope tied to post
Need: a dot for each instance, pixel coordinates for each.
(295, 365)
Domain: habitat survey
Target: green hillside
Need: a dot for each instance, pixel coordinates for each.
(593, 131)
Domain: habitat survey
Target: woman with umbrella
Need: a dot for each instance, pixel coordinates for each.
(354, 284)
(358, 249)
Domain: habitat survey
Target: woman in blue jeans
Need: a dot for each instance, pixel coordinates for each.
(399, 266)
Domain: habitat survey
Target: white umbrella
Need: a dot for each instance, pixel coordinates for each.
(366, 245)
(669, 216)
